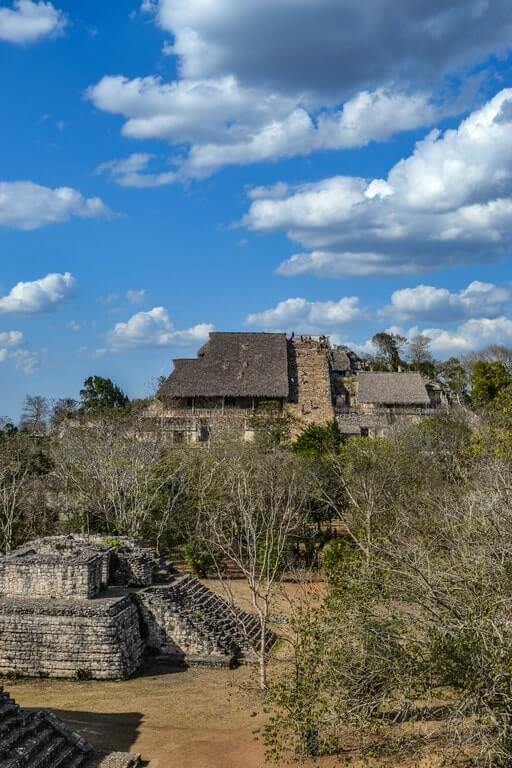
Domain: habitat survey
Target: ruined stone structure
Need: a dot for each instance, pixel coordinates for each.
(235, 373)
(89, 607)
(38, 739)
(369, 403)
(310, 391)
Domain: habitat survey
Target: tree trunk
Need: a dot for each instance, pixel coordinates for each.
(263, 656)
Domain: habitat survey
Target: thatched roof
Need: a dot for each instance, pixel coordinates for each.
(233, 365)
(392, 389)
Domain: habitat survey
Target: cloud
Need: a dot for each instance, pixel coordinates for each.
(129, 172)
(153, 328)
(26, 360)
(325, 75)
(25, 205)
(135, 296)
(10, 339)
(333, 47)
(74, 326)
(37, 296)
(474, 334)
(226, 123)
(12, 347)
(307, 316)
(28, 22)
(424, 302)
(449, 202)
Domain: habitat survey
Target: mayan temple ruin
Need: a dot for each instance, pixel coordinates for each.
(89, 607)
(235, 373)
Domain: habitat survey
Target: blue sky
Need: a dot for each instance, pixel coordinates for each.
(176, 166)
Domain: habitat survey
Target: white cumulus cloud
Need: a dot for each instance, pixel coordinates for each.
(25, 205)
(28, 22)
(10, 339)
(332, 47)
(132, 172)
(425, 302)
(37, 296)
(448, 202)
(474, 334)
(324, 75)
(13, 349)
(307, 316)
(153, 328)
(227, 123)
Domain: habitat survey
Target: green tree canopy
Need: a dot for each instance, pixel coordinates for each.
(99, 394)
(487, 380)
(389, 346)
(456, 377)
(318, 440)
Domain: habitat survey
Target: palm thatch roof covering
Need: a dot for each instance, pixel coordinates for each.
(392, 389)
(232, 365)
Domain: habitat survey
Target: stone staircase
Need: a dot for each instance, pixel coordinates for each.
(224, 632)
(37, 739)
(310, 381)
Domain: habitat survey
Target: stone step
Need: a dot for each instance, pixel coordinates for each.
(55, 755)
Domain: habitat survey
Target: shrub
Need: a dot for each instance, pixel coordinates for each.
(198, 559)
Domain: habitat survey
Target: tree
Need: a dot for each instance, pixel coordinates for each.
(107, 473)
(389, 346)
(272, 425)
(23, 486)
(62, 410)
(250, 506)
(34, 414)
(420, 356)
(456, 378)
(99, 394)
(426, 620)
(494, 353)
(487, 379)
(317, 440)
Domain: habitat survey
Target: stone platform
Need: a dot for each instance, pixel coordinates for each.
(79, 639)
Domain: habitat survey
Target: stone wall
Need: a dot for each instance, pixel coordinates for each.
(132, 568)
(97, 639)
(52, 576)
(311, 398)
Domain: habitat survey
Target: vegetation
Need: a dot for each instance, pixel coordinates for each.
(407, 649)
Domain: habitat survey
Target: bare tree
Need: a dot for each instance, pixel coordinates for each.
(418, 351)
(106, 470)
(34, 414)
(250, 506)
(15, 484)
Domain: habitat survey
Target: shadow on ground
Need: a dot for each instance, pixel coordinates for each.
(106, 731)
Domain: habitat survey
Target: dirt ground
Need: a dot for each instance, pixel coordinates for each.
(199, 718)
